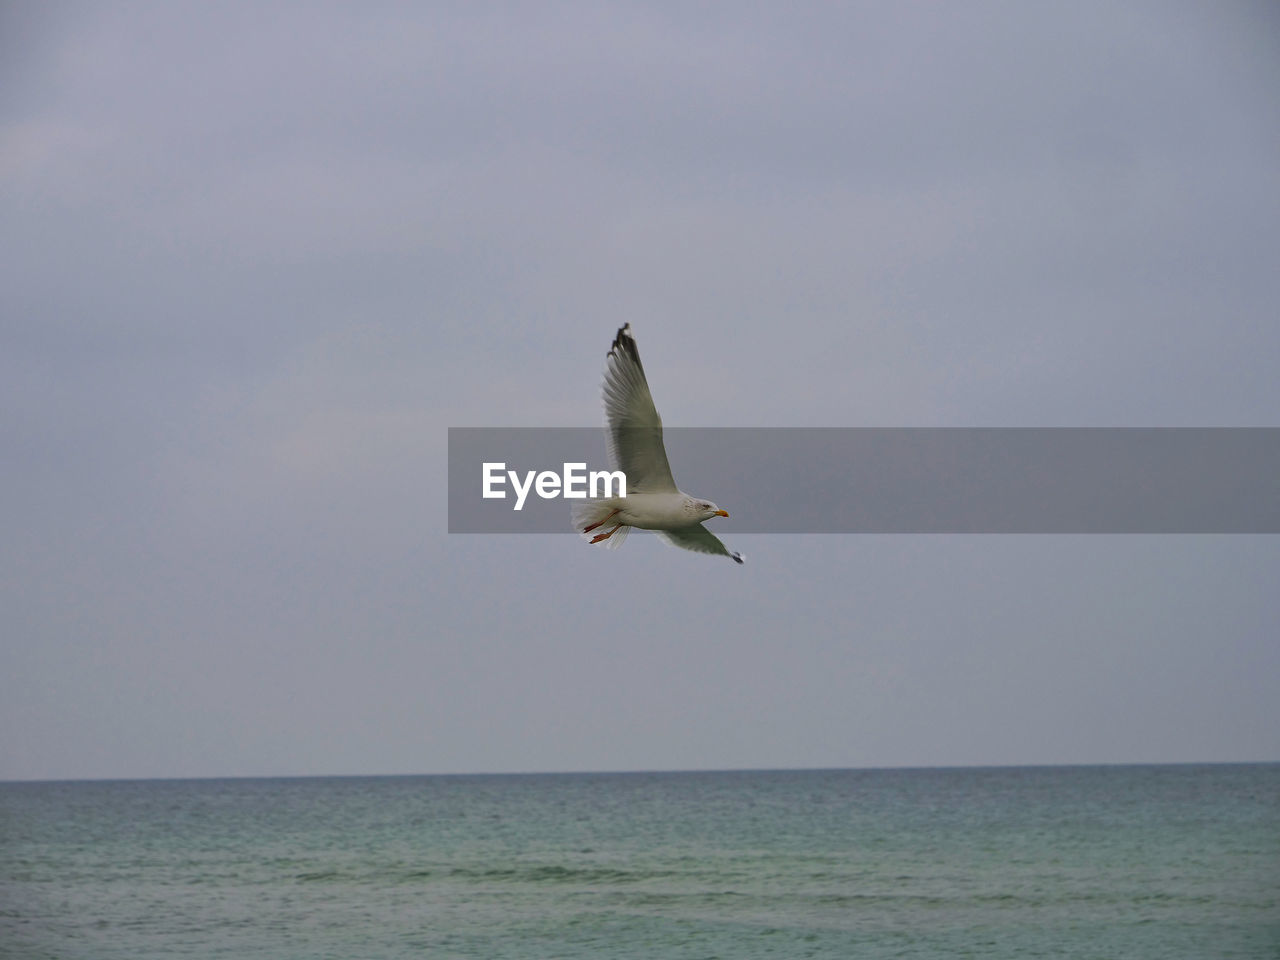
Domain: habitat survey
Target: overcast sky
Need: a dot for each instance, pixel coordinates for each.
(256, 259)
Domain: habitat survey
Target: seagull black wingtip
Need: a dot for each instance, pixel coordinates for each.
(625, 343)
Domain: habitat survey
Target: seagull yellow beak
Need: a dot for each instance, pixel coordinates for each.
(721, 513)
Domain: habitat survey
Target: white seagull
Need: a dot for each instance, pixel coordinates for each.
(653, 502)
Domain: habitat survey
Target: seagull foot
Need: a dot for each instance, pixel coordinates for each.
(603, 536)
(598, 522)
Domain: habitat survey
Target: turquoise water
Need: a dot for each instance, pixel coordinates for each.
(1107, 862)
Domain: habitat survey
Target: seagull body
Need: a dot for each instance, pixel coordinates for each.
(653, 501)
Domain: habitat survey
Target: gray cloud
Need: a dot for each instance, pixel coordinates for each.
(257, 260)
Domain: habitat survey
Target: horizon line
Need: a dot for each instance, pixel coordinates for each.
(674, 771)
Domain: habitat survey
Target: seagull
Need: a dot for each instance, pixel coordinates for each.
(653, 501)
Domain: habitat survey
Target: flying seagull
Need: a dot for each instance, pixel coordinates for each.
(653, 501)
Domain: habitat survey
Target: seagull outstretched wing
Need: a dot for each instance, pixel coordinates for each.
(700, 540)
(635, 429)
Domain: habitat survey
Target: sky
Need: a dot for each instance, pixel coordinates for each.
(256, 260)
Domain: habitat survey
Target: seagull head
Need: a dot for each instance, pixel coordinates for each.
(705, 509)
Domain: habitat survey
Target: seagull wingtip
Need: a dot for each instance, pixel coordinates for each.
(624, 342)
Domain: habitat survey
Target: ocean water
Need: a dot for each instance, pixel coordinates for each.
(1106, 862)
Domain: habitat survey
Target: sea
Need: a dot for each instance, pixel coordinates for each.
(1144, 862)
